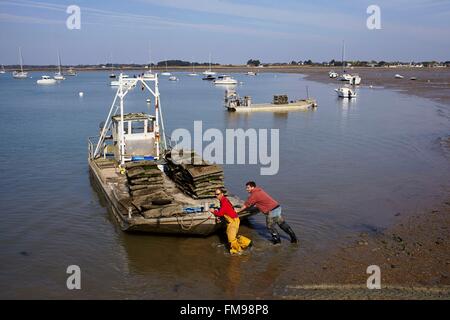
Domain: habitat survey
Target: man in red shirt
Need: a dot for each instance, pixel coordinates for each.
(226, 210)
(271, 208)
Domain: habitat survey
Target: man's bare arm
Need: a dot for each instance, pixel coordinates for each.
(241, 209)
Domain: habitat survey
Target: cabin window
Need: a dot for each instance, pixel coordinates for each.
(137, 126)
(150, 126)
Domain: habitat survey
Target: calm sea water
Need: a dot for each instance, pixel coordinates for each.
(346, 167)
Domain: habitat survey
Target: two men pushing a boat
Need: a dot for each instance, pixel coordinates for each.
(265, 204)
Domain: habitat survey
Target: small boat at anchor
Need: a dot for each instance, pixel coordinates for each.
(209, 72)
(225, 79)
(209, 77)
(166, 73)
(46, 80)
(125, 81)
(146, 189)
(149, 74)
(345, 92)
(71, 72)
(333, 74)
(58, 75)
(20, 74)
(193, 73)
(280, 103)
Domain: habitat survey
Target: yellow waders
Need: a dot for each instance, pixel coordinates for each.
(237, 243)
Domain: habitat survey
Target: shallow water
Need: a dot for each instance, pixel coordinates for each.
(346, 167)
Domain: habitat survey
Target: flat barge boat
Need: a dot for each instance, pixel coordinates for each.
(145, 188)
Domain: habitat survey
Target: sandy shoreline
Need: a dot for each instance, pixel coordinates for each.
(413, 252)
(431, 83)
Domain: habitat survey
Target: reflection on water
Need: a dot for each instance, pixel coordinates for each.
(348, 166)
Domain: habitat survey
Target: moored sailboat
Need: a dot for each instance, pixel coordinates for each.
(58, 75)
(20, 74)
(209, 72)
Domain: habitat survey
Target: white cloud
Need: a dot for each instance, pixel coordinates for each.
(12, 18)
(324, 17)
(120, 19)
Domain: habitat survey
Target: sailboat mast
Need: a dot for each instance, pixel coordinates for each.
(59, 63)
(210, 61)
(20, 59)
(150, 56)
(110, 60)
(343, 54)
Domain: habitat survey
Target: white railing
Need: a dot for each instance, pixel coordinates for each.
(92, 142)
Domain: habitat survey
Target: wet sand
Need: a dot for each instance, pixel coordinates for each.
(414, 253)
(432, 83)
(413, 256)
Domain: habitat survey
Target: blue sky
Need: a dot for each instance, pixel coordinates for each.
(233, 31)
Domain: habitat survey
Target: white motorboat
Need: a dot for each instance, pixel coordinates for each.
(345, 77)
(355, 80)
(173, 78)
(2, 71)
(20, 74)
(127, 82)
(116, 83)
(58, 75)
(46, 80)
(251, 73)
(225, 79)
(209, 73)
(333, 74)
(71, 72)
(398, 76)
(345, 92)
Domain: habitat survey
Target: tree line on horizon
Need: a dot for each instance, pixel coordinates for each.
(250, 62)
(337, 63)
